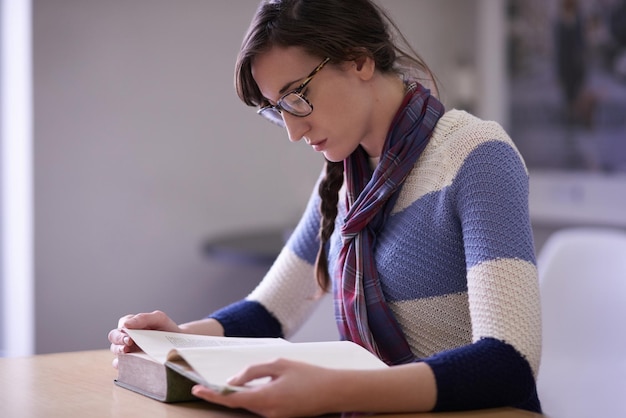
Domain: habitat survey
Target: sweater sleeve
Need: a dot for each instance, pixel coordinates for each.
(486, 374)
(499, 367)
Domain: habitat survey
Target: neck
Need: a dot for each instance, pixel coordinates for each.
(387, 96)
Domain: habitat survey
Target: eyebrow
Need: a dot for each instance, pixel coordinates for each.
(288, 86)
(284, 90)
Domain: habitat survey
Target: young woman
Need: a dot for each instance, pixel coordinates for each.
(419, 226)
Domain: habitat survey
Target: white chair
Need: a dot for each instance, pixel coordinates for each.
(582, 277)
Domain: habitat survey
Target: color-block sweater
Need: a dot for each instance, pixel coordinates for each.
(456, 263)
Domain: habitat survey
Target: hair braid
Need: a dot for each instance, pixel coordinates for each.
(329, 193)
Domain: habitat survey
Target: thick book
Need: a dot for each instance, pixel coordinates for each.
(171, 363)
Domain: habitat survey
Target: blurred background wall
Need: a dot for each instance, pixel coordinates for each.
(142, 152)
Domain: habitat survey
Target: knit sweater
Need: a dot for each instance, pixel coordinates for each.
(456, 264)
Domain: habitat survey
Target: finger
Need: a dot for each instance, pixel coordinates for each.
(123, 349)
(121, 342)
(149, 320)
(136, 321)
(119, 337)
(114, 363)
(257, 371)
(122, 320)
(230, 400)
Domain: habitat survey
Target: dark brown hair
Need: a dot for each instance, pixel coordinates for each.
(343, 30)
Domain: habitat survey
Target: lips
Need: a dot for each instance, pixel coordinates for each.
(319, 145)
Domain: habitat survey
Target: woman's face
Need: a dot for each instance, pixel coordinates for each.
(341, 99)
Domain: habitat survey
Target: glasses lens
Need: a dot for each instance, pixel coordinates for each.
(273, 115)
(296, 105)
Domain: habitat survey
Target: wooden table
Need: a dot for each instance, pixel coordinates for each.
(80, 384)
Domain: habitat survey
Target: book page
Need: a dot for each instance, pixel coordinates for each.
(158, 344)
(217, 364)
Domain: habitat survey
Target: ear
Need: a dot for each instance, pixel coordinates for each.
(364, 66)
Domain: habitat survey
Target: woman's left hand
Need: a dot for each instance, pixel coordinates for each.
(295, 389)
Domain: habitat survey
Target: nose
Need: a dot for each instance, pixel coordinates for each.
(296, 126)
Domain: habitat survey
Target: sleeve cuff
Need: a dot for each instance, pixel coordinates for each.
(248, 319)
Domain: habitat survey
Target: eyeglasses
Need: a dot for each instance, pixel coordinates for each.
(293, 102)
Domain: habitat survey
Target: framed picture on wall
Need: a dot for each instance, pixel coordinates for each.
(566, 65)
(567, 74)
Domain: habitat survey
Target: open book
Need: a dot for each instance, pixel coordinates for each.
(171, 363)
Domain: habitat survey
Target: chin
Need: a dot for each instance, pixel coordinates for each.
(334, 157)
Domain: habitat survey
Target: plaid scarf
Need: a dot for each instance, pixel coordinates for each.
(363, 315)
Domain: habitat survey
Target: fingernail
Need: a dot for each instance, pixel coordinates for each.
(126, 340)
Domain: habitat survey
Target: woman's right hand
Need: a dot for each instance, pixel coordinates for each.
(157, 320)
